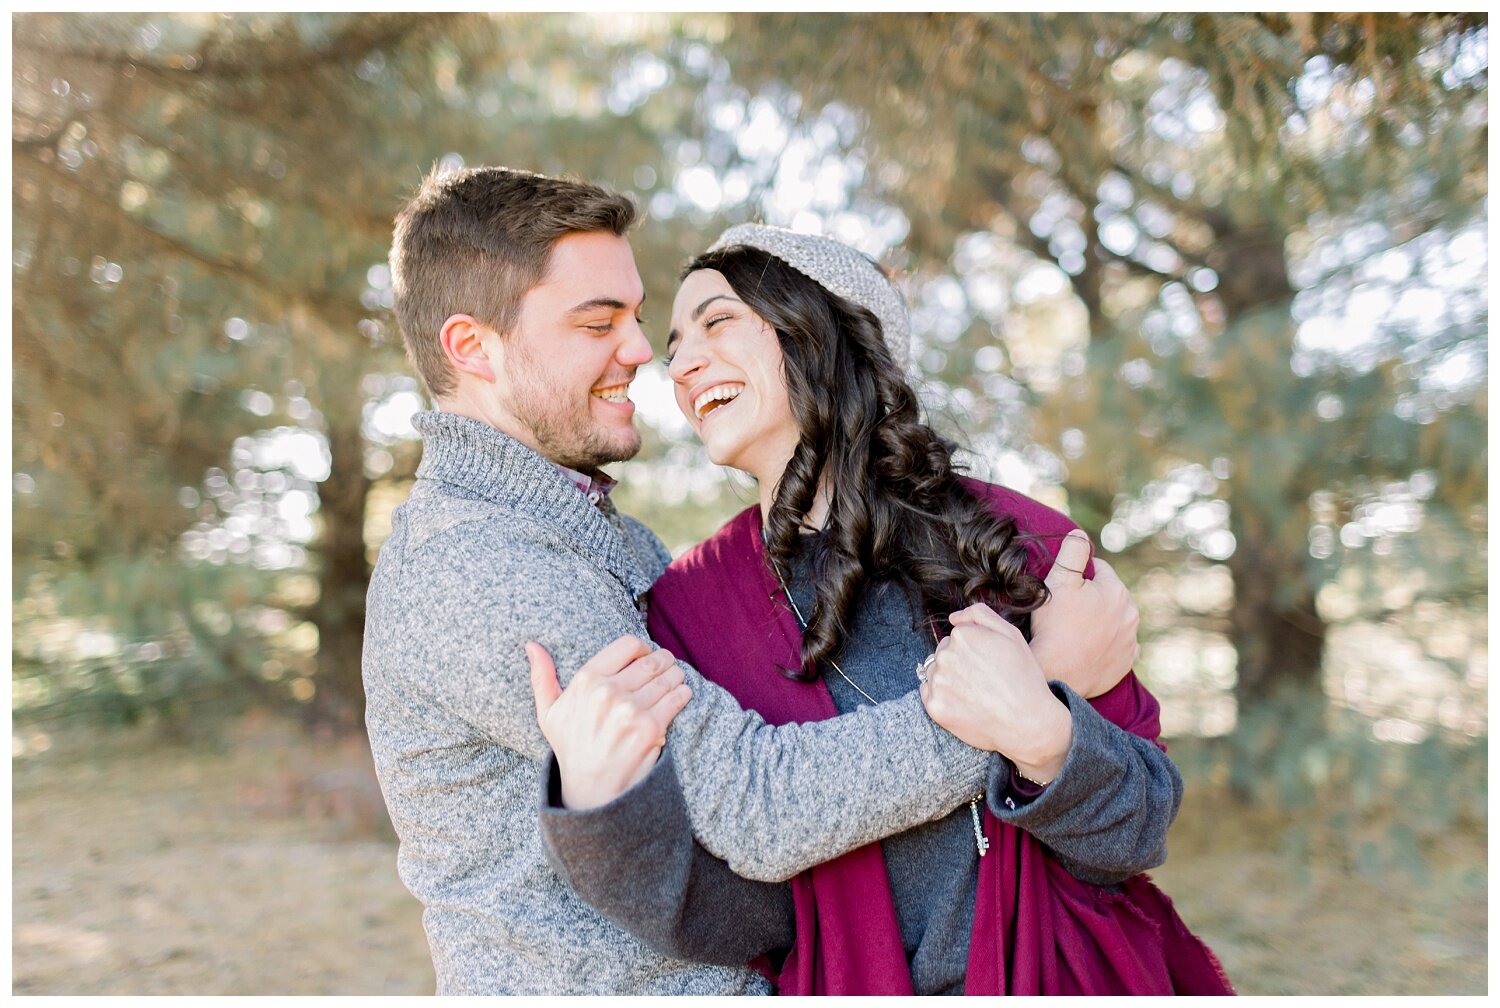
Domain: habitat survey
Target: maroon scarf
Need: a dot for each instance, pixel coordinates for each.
(1037, 929)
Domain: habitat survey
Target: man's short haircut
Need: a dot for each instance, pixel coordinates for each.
(474, 241)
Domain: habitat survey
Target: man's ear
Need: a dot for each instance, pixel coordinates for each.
(464, 343)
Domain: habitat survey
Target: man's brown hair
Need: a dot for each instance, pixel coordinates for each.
(474, 241)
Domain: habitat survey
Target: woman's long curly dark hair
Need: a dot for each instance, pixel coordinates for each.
(896, 509)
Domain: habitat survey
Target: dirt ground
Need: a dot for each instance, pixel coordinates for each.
(264, 866)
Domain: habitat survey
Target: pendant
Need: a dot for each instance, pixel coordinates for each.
(981, 841)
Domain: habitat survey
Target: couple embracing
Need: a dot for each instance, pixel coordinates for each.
(890, 742)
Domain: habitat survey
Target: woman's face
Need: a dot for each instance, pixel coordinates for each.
(725, 362)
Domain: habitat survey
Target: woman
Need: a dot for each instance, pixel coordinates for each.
(837, 590)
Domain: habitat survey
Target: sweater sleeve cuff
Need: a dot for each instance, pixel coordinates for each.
(1020, 802)
(652, 809)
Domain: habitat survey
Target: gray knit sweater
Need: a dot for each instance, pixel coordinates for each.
(493, 548)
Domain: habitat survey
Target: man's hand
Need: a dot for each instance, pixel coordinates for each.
(608, 727)
(985, 686)
(1085, 634)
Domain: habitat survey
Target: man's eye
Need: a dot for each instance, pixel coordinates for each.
(667, 360)
(606, 327)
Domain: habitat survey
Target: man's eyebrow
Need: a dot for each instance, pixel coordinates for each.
(614, 304)
(697, 313)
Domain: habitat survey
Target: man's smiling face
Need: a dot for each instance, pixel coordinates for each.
(572, 353)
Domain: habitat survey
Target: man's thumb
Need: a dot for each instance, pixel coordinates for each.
(544, 685)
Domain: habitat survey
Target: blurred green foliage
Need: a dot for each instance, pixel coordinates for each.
(1275, 225)
(1365, 805)
(1216, 283)
(209, 384)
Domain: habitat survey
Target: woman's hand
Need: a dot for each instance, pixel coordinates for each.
(985, 686)
(608, 727)
(1085, 633)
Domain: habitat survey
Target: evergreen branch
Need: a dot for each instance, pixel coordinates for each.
(317, 302)
(1457, 596)
(1142, 269)
(1408, 230)
(1215, 219)
(40, 141)
(1090, 283)
(356, 40)
(999, 186)
(1087, 284)
(1065, 96)
(1180, 620)
(1138, 268)
(210, 182)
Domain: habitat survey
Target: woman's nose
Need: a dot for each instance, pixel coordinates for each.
(687, 360)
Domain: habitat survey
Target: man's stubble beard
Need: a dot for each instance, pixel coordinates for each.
(568, 436)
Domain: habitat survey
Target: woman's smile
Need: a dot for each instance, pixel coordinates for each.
(707, 402)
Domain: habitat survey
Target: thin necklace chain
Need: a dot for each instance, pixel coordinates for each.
(981, 842)
(802, 622)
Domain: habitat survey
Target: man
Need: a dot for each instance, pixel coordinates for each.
(520, 304)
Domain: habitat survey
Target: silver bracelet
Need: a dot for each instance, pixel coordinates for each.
(1032, 780)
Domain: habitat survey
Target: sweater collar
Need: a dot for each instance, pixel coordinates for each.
(494, 466)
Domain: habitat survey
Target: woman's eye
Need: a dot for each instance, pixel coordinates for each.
(716, 320)
(667, 360)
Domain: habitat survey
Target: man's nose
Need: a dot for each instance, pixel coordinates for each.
(635, 348)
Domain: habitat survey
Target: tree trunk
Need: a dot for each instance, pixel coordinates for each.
(344, 572)
(1278, 636)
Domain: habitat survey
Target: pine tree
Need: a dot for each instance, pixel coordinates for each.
(1197, 179)
(203, 210)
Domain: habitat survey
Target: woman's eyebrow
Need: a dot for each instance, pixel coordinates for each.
(697, 313)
